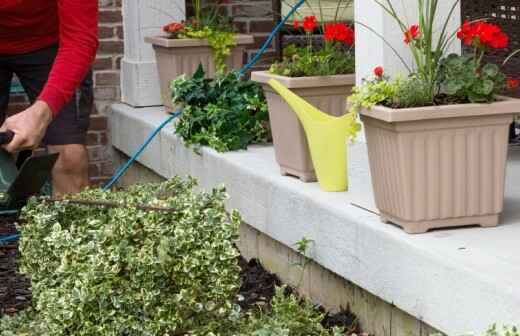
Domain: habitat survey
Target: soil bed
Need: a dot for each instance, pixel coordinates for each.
(258, 290)
(15, 293)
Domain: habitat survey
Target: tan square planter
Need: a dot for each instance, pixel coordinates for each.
(438, 167)
(328, 93)
(176, 57)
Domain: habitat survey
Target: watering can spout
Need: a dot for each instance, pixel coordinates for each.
(327, 137)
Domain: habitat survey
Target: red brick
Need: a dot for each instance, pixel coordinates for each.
(107, 78)
(110, 16)
(119, 32)
(106, 93)
(94, 170)
(103, 63)
(240, 26)
(259, 42)
(98, 123)
(96, 153)
(105, 32)
(103, 138)
(261, 26)
(107, 3)
(106, 168)
(92, 138)
(111, 47)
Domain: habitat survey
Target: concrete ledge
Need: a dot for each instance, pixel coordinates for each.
(456, 280)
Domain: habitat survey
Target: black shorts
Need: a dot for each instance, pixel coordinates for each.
(32, 69)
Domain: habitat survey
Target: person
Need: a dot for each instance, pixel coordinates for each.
(50, 45)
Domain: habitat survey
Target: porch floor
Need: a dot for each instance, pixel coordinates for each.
(455, 280)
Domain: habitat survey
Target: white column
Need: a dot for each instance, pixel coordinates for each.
(372, 51)
(139, 78)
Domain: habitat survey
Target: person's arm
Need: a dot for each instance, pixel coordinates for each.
(77, 51)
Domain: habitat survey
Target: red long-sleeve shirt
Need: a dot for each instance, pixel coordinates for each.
(29, 25)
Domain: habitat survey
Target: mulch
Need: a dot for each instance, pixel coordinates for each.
(15, 293)
(259, 287)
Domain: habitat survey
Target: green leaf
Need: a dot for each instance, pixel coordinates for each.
(199, 74)
(490, 70)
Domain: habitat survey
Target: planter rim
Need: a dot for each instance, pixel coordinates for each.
(166, 42)
(304, 82)
(505, 105)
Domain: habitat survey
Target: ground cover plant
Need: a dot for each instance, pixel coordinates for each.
(226, 113)
(153, 260)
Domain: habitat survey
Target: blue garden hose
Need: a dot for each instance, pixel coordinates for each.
(121, 171)
(124, 168)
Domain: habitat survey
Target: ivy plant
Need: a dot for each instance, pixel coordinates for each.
(221, 42)
(125, 271)
(290, 316)
(226, 113)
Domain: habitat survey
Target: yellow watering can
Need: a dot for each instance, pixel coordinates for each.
(327, 137)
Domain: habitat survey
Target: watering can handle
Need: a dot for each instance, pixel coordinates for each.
(6, 137)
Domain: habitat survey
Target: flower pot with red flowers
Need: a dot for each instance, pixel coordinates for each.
(322, 77)
(206, 39)
(438, 137)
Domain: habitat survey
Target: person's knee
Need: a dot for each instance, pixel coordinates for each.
(73, 160)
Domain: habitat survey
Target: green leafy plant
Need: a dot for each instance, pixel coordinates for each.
(209, 24)
(437, 78)
(123, 271)
(426, 48)
(290, 316)
(372, 93)
(222, 43)
(226, 113)
(506, 331)
(495, 331)
(463, 79)
(298, 62)
(330, 60)
(410, 92)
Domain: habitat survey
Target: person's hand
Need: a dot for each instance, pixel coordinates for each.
(28, 126)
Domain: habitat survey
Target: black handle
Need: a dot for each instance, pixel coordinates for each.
(6, 137)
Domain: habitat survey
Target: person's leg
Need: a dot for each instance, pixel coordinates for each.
(66, 134)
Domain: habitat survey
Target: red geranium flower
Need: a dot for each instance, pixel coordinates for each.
(310, 23)
(512, 83)
(173, 28)
(330, 32)
(339, 32)
(482, 34)
(296, 24)
(466, 33)
(411, 34)
(379, 71)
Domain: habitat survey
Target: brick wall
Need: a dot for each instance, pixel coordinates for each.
(256, 18)
(106, 89)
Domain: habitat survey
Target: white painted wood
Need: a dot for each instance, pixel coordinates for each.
(371, 49)
(141, 18)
